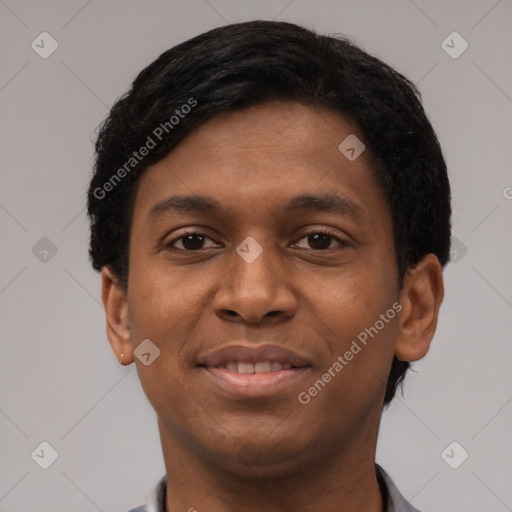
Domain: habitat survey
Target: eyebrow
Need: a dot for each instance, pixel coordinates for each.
(328, 203)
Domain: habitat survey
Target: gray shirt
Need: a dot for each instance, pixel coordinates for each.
(395, 501)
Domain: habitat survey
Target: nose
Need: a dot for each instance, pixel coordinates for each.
(255, 292)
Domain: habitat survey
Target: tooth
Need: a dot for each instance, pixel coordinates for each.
(286, 366)
(245, 368)
(262, 367)
(221, 366)
(275, 366)
(232, 366)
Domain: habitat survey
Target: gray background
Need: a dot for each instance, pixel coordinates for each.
(60, 382)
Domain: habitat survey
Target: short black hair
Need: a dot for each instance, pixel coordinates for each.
(245, 64)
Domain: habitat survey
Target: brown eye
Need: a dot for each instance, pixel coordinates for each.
(192, 241)
(321, 240)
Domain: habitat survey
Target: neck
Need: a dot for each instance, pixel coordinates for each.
(334, 480)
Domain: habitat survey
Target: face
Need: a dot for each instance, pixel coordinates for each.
(277, 265)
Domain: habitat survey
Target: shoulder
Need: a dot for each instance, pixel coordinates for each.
(395, 501)
(156, 501)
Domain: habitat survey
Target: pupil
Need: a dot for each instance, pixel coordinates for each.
(319, 239)
(192, 246)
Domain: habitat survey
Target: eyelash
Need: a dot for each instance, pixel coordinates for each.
(198, 231)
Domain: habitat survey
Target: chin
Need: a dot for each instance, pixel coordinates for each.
(260, 460)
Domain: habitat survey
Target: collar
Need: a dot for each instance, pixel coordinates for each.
(395, 501)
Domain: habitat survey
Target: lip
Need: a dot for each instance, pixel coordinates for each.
(255, 385)
(251, 354)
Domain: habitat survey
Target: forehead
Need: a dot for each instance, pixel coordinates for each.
(280, 131)
(264, 153)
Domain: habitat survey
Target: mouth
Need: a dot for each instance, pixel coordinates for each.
(258, 367)
(242, 371)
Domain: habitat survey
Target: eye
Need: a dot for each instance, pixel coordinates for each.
(191, 241)
(195, 240)
(321, 240)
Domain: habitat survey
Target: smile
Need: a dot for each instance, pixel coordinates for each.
(259, 367)
(251, 371)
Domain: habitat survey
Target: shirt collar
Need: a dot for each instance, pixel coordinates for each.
(395, 501)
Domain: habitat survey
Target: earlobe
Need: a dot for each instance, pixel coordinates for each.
(115, 305)
(421, 297)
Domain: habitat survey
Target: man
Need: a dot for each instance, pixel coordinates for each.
(270, 213)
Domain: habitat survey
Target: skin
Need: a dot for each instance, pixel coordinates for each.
(225, 453)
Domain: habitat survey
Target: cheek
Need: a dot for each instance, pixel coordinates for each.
(353, 297)
(360, 347)
(161, 307)
(168, 307)
(354, 316)
(161, 298)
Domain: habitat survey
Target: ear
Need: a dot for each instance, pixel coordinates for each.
(115, 304)
(420, 297)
